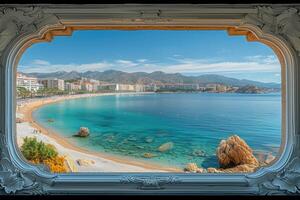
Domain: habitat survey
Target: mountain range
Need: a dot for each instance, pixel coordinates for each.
(114, 76)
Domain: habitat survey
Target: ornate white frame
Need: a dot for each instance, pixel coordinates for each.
(278, 26)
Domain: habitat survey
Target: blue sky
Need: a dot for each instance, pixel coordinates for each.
(186, 52)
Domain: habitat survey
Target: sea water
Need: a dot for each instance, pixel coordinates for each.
(131, 125)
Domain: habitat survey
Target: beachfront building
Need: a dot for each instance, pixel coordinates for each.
(107, 87)
(87, 86)
(72, 86)
(125, 88)
(29, 83)
(53, 83)
(201, 88)
(139, 88)
(179, 86)
(90, 85)
(95, 84)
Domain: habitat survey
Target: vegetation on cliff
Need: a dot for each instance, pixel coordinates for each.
(37, 152)
(250, 89)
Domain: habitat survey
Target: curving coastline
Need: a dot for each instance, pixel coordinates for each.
(102, 162)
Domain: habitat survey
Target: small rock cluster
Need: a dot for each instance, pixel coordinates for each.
(192, 167)
(85, 162)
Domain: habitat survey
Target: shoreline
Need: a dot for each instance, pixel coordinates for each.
(33, 104)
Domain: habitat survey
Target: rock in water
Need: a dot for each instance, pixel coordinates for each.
(165, 147)
(149, 140)
(83, 132)
(148, 155)
(199, 153)
(50, 120)
(233, 152)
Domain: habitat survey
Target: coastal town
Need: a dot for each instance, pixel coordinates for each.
(29, 86)
(33, 138)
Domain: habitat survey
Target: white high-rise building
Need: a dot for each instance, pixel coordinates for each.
(30, 83)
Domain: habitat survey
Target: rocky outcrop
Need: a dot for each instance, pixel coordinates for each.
(83, 132)
(234, 156)
(165, 147)
(233, 152)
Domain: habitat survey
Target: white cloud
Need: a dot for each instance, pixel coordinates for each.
(142, 60)
(126, 63)
(44, 66)
(184, 65)
(270, 59)
(40, 62)
(176, 55)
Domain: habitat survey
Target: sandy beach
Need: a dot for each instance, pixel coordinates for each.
(78, 159)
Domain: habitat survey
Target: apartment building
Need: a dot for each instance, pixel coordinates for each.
(30, 83)
(72, 86)
(53, 83)
(125, 87)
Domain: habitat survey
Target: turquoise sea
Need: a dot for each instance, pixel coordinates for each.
(131, 125)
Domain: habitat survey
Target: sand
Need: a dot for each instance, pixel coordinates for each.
(90, 161)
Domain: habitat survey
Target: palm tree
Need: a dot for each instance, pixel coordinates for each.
(23, 92)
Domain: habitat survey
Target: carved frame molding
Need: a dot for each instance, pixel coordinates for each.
(276, 26)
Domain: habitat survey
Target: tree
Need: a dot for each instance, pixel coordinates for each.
(23, 92)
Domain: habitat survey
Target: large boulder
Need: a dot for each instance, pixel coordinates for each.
(233, 152)
(83, 132)
(165, 147)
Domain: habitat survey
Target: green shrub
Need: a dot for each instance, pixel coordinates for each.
(36, 151)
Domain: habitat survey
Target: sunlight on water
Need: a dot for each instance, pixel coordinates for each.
(132, 125)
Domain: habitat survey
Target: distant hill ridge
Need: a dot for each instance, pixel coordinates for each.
(114, 76)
